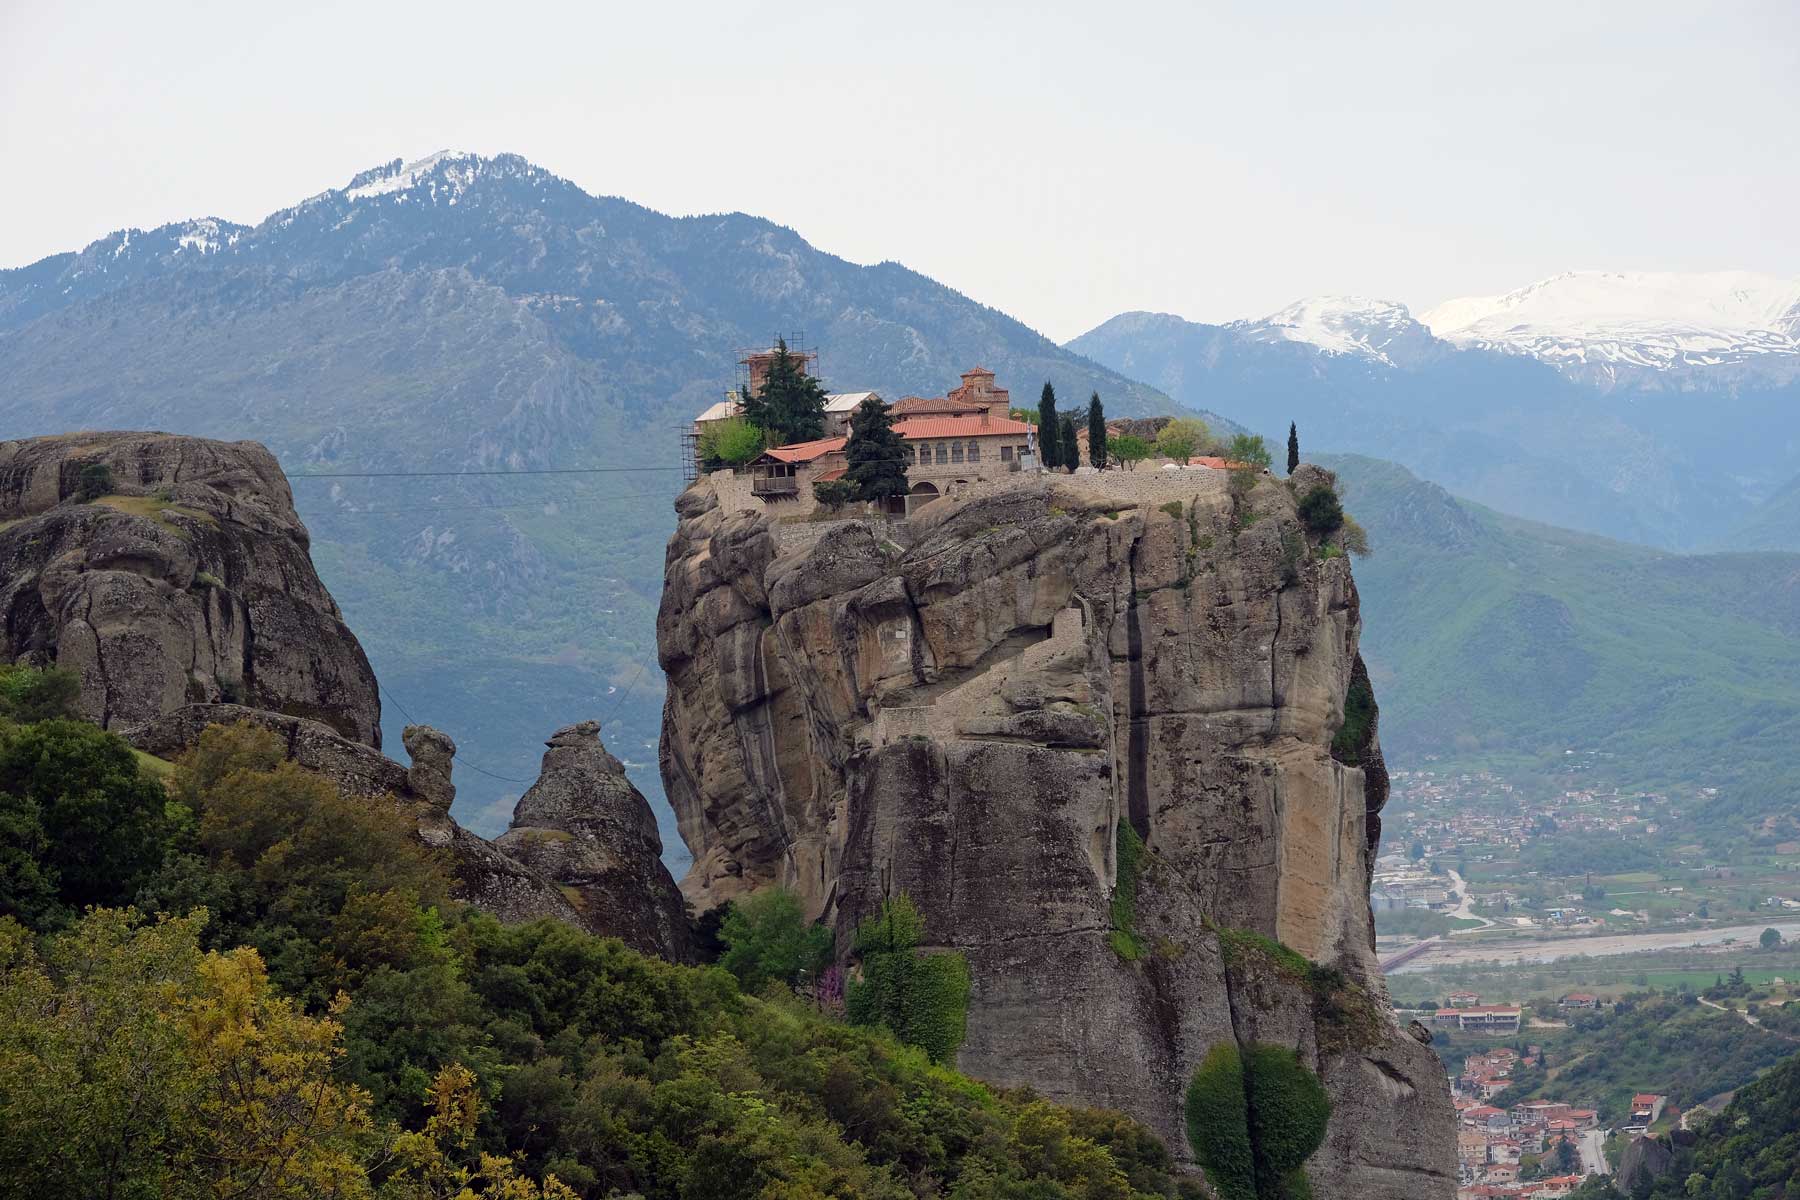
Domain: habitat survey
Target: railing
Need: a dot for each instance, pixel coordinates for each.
(774, 485)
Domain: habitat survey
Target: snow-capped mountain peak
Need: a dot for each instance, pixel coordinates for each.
(398, 176)
(1339, 325)
(1604, 321)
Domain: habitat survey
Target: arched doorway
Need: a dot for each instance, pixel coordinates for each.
(922, 493)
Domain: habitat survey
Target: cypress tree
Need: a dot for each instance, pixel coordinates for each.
(1293, 447)
(1096, 433)
(1068, 450)
(875, 453)
(1047, 448)
(791, 406)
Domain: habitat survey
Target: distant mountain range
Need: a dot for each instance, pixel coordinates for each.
(1658, 408)
(461, 314)
(464, 313)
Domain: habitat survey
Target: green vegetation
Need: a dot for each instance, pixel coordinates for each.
(1249, 448)
(1182, 438)
(1172, 507)
(95, 481)
(1130, 853)
(1418, 922)
(28, 694)
(1096, 422)
(922, 999)
(1049, 429)
(1129, 449)
(1293, 454)
(323, 1021)
(1068, 450)
(1321, 512)
(1253, 1119)
(791, 405)
(767, 937)
(732, 442)
(1352, 738)
(833, 494)
(875, 453)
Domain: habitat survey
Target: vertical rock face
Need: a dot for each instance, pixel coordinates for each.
(583, 826)
(186, 578)
(970, 719)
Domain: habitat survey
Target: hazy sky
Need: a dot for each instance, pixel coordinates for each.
(1060, 162)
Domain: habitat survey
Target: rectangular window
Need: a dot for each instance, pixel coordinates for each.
(974, 451)
(1006, 454)
(943, 453)
(956, 452)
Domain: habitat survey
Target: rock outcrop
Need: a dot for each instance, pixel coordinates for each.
(184, 577)
(1645, 1160)
(584, 827)
(983, 717)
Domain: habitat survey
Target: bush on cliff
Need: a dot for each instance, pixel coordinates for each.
(922, 999)
(767, 937)
(1321, 512)
(1254, 1117)
(446, 1051)
(1130, 854)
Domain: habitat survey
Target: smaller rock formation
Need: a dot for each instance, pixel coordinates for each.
(170, 570)
(433, 755)
(1646, 1159)
(583, 826)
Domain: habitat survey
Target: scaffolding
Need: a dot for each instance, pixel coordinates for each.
(752, 369)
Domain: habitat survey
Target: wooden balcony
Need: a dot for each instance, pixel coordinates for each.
(774, 485)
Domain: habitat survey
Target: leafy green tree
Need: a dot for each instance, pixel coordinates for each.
(791, 406)
(1771, 938)
(875, 453)
(1321, 512)
(833, 493)
(1355, 538)
(767, 937)
(1049, 452)
(1218, 1123)
(1068, 450)
(922, 999)
(1248, 448)
(1096, 417)
(1129, 449)
(730, 443)
(1182, 438)
(94, 481)
(96, 823)
(1293, 459)
(28, 694)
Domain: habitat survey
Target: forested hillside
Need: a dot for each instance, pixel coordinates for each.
(221, 977)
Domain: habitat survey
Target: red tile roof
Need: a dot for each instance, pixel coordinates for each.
(959, 427)
(801, 452)
(919, 406)
(828, 476)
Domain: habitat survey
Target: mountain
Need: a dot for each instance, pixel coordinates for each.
(1772, 525)
(1488, 636)
(1608, 325)
(461, 314)
(1671, 439)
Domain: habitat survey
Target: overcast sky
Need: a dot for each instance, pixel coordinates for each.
(1060, 162)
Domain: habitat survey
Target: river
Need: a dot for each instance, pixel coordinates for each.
(1541, 950)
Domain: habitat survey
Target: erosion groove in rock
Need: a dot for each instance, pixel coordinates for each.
(967, 718)
(184, 576)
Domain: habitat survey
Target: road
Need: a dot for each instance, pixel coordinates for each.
(1748, 1019)
(1465, 910)
(1593, 1152)
(1549, 949)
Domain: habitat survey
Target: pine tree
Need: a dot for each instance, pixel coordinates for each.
(1293, 447)
(876, 454)
(1096, 433)
(1068, 450)
(1047, 430)
(791, 406)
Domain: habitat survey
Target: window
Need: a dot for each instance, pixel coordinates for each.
(943, 453)
(974, 451)
(1006, 454)
(956, 452)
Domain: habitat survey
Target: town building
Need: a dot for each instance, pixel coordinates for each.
(1488, 1018)
(1646, 1107)
(1579, 1000)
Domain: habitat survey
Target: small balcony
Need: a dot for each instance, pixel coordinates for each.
(774, 485)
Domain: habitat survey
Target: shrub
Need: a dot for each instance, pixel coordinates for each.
(1182, 438)
(1355, 539)
(1173, 508)
(1129, 450)
(28, 694)
(767, 937)
(95, 481)
(731, 443)
(834, 493)
(1320, 511)
(1130, 851)
(1254, 1118)
(921, 999)
(1249, 448)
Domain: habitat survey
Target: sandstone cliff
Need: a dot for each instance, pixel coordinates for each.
(185, 577)
(971, 718)
(583, 826)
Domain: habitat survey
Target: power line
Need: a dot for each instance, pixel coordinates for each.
(535, 504)
(456, 758)
(459, 474)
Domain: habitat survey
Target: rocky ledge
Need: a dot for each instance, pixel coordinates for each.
(995, 716)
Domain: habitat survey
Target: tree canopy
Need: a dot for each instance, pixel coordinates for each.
(1182, 438)
(1049, 429)
(875, 453)
(791, 405)
(1096, 420)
